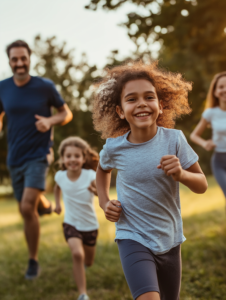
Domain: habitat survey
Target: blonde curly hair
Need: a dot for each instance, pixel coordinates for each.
(170, 87)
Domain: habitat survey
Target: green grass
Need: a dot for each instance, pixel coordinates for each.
(203, 254)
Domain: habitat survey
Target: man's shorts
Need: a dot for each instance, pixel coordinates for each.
(146, 272)
(88, 237)
(31, 174)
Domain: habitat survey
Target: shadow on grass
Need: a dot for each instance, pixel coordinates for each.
(105, 279)
(45, 221)
(203, 256)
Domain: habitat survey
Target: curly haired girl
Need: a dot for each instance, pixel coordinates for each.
(77, 182)
(135, 107)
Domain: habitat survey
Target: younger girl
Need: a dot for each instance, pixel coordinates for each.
(215, 115)
(77, 182)
(134, 108)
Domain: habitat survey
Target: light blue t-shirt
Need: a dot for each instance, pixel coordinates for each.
(217, 118)
(150, 200)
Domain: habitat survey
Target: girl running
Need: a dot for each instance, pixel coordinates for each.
(76, 180)
(135, 106)
(215, 115)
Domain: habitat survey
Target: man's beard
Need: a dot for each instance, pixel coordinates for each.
(21, 76)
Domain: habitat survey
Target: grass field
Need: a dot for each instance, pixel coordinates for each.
(203, 254)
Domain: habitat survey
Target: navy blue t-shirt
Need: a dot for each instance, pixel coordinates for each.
(20, 105)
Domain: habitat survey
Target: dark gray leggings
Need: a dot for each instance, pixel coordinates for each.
(218, 165)
(146, 272)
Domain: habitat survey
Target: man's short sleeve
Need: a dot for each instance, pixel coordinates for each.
(55, 98)
(185, 153)
(106, 161)
(207, 114)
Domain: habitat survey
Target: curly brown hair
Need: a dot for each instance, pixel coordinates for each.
(170, 87)
(91, 156)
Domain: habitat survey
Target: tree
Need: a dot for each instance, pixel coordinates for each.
(74, 82)
(192, 39)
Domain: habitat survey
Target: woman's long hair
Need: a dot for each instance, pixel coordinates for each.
(211, 100)
(90, 155)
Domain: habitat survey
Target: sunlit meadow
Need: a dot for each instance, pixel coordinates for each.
(203, 254)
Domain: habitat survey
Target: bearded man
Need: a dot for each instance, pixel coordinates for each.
(27, 101)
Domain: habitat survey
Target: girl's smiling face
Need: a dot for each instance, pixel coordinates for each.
(139, 104)
(73, 158)
(220, 91)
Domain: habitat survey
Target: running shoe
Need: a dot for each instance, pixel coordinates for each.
(45, 211)
(32, 270)
(83, 297)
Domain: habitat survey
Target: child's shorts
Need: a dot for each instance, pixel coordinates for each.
(88, 237)
(146, 272)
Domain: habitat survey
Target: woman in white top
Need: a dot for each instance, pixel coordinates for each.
(77, 181)
(215, 115)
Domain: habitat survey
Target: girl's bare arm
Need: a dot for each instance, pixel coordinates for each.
(192, 177)
(57, 194)
(93, 188)
(196, 136)
(111, 208)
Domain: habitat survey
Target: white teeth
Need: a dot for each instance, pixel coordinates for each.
(142, 115)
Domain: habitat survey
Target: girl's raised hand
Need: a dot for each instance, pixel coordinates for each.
(58, 209)
(112, 210)
(170, 164)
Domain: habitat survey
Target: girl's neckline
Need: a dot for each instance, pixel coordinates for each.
(137, 144)
(221, 109)
(73, 181)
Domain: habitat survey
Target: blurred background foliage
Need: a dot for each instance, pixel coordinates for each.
(191, 36)
(187, 36)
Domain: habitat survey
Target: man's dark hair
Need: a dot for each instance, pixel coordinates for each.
(18, 43)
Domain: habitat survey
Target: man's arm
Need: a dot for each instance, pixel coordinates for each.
(1, 120)
(62, 117)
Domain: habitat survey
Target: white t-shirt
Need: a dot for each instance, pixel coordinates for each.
(217, 118)
(78, 200)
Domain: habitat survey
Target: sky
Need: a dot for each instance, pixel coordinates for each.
(95, 33)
